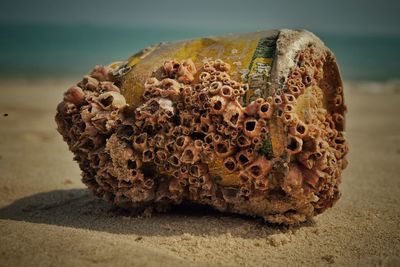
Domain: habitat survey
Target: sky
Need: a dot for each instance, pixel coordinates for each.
(334, 17)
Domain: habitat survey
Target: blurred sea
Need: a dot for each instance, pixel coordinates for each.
(44, 50)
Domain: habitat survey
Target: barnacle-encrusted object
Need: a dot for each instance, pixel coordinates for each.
(250, 123)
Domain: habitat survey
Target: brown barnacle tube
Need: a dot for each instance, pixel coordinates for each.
(159, 140)
(203, 97)
(160, 157)
(230, 164)
(307, 80)
(294, 145)
(243, 141)
(215, 87)
(224, 77)
(74, 95)
(208, 67)
(216, 138)
(261, 184)
(221, 65)
(89, 83)
(170, 68)
(265, 110)
(224, 148)
(194, 170)
(234, 84)
(103, 121)
(101, 73)
(204, 128)
(174, 123)
(298, 129)
(257, 142)
(167, 168)
(251, 127)
(259, 168)
(174, 160)
(294, 90)
(205, 76)
(307, 159)
(190, 155)
(296, 74)
(88, 112)
(218, 104)
(206, 184)
(151, 82)
(108, 87)
(236, 93)
(338, 100)
(181, 142)
(339, 121)
(148, 155)
(140, 142)
(233, 114)
(218, 75)
(288, 107)
(184, 75)
(289, 118)
(289, 99)
(170, 84)
(198, 144)
(186, 71)
(277, 100)
(322, 160)
(226, 91)
(243, 158)
(220, 128)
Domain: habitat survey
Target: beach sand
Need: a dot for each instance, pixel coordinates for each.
(48, 218)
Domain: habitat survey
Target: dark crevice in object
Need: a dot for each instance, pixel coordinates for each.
(107, 101)
(217, 105)
(250, 125)
(198, 136)
(221, 148)
(149, 171)
(293, 144)
(255, 170)
(301, 129)
(234, 119)
(230, 165)
(243, 159)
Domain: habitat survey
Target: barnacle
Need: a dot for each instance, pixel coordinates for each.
(198, 129)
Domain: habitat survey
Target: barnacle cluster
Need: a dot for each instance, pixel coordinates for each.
(194, 138)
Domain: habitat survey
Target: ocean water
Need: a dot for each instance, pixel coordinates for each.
(41, 50)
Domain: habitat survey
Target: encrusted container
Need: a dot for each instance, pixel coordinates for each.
(249, 123)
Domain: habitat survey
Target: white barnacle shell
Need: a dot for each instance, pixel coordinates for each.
(111, 100)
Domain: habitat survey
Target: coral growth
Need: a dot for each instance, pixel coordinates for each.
(193, 138)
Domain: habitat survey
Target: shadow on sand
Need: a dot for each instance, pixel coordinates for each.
(79, 209)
